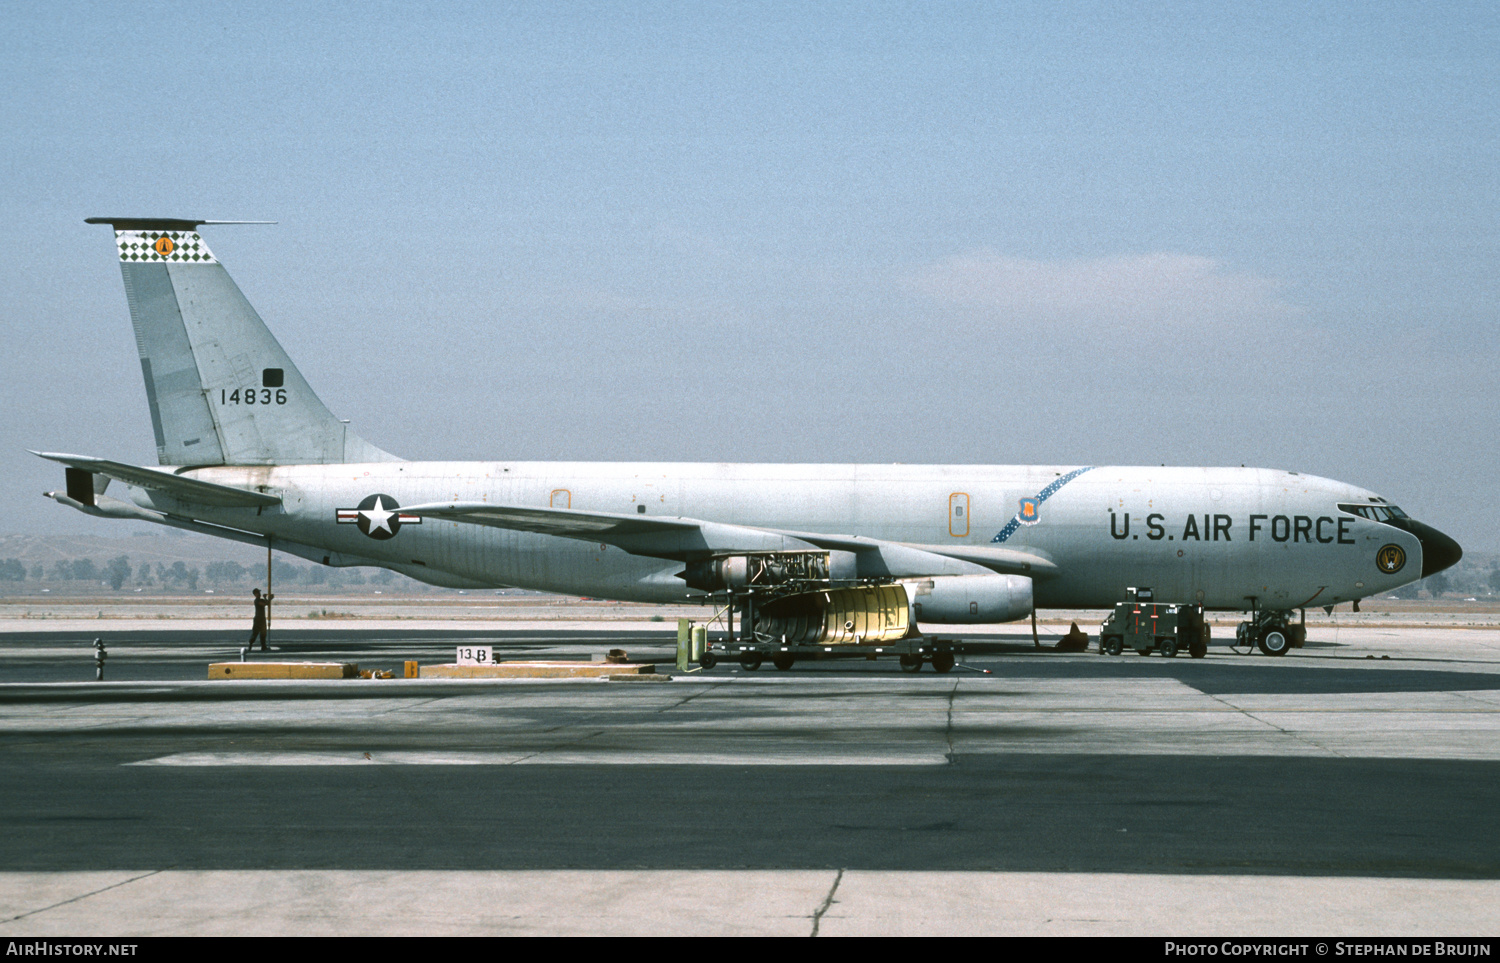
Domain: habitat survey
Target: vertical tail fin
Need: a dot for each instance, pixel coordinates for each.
(222, 390)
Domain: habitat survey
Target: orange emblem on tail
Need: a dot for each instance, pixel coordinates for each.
(164, 245)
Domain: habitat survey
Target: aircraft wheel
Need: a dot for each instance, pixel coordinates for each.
(750, 661)
(709, 660)
(1114, 645)
(1275, 642)
(1169, 647)
(782, 661)
(943, 662)
(911, 663)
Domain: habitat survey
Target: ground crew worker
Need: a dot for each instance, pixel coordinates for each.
(258, 628)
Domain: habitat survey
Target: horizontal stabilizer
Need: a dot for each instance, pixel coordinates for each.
(179, 487)
(159, 223)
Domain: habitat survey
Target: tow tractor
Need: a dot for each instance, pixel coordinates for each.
(793, 607)
(1148, 626)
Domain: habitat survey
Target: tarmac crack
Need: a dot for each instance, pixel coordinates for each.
(1471, 697)
(403, 707)
(83, 896)
(686, 699)
(948, 730)
(817, 919)
(573, 744)
(1267, 722)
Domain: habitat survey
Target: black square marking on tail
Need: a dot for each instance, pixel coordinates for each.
(272, 378)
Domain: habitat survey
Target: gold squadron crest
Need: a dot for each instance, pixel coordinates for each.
(1390, 559)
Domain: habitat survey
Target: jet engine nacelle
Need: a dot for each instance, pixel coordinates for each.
(970, 599)
(765, 569)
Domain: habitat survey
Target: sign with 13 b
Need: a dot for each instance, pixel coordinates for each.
(475, 655)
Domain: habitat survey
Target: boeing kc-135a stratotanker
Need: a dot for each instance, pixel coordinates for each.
(248, 452)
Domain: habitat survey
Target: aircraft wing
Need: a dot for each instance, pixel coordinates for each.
(1006, 561)
(659, 536)
(180, 487)
(563, 522)
(688, 539)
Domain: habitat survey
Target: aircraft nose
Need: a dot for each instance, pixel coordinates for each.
(1438, 550)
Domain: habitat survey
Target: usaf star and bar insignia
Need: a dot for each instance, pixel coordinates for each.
(377, 516)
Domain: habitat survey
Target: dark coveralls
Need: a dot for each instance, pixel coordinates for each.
(258, 627)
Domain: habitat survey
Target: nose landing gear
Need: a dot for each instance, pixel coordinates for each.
(1273, 633)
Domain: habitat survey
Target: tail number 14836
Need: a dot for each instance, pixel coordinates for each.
(252, 396)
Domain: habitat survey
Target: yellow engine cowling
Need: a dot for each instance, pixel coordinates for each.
(868, 615)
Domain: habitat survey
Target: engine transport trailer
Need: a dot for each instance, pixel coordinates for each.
(869, 622)
(791, 607)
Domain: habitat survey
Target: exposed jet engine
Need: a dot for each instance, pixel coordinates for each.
(769, 570)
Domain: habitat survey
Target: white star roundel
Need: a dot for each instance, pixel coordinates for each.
(378, 516)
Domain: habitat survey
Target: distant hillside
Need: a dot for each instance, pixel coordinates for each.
(163, 561)
(169, 562)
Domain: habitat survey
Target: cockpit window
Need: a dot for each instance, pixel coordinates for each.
(1375, 513)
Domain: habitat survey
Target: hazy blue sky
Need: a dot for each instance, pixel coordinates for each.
(976, 233)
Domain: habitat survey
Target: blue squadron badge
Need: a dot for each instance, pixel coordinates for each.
(377, 517)
(1031, 508)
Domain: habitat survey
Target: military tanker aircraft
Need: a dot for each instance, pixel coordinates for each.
(248, 452)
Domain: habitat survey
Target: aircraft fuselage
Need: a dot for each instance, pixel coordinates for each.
(1221, 536)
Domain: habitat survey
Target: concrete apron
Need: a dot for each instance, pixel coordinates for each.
(746, 902)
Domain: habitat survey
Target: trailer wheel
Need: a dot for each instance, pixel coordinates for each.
(1169, 646)
(709, 660)
(1198, 648)
(750, 661)
(942, 661)
(782, 660)
(1114, 645)
(1274, 641)
(911, 663)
